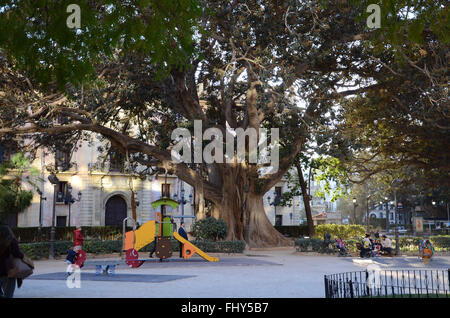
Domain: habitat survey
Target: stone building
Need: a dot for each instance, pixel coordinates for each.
(102, 192)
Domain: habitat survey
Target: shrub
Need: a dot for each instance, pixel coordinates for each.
(103, 233)
(41, 250)
(209, 229)
(442, 241)
(313, 244)
(343, 231)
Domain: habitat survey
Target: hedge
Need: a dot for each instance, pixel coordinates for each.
(41, 250)
(312, 244)
(441, 243)
(293, 230)
(343, 231)
(103, 233)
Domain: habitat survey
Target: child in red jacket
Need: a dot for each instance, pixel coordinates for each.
(78, 239)
(77, 246)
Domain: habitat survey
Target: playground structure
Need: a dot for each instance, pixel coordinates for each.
(159, 231)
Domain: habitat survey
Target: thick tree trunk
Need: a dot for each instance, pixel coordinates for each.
(243, 211)
(306, 201)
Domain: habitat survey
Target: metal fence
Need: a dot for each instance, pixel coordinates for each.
(389, 284)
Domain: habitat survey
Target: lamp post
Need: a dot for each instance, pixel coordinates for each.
(387, 214)
(70, 200)
(397, 245)
(367, 213)
(40, 213)
(55, 181)
(354, 210)
(448, 217)
(182, 202)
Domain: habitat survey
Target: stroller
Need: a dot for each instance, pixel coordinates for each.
(365, 252)
(342, 250)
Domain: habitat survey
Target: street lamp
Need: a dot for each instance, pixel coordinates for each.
(354, 210)
(182, 202)
(397, 245)
(55, 181)
(40, 213)
(387, 214)
(70, 199)
(367, 213)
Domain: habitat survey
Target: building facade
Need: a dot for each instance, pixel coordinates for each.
(102, 192)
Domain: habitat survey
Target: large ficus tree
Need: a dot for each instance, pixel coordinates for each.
(276, 64)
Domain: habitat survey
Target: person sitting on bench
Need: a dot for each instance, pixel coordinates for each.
(386, 245)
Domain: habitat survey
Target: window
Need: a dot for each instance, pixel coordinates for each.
(62, 160)
(61, 221)
(165, 190)
(6, 152)
(116, 160)
(277, 194)
(62, 191)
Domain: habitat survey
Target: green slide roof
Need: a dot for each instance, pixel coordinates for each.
(165, 201)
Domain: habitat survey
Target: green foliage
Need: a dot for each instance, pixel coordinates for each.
(314, 245)
(13, 199)
(342, 231)
(326, 170)
(103, 233)
(209, 229)
(41, 250)
(36, 37)
(406, 244)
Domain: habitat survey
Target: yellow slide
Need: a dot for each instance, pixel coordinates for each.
(144, 236)
(197, 250)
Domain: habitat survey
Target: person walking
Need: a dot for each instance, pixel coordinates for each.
(77, 239)
(183, 234)
(8, 246)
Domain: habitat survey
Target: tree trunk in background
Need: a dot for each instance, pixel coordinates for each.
(199, 202)
(306, 200)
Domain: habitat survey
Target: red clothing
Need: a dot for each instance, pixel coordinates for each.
(78, 238)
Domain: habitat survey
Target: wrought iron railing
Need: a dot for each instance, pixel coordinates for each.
(389, 283)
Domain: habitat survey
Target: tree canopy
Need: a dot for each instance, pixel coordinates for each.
(238, 64)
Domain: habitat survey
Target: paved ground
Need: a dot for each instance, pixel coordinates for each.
(272, 273)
